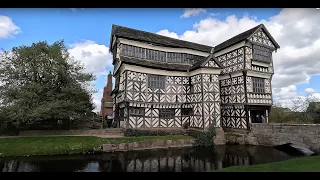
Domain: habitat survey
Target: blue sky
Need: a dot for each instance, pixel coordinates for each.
(89, 29)
(52, 24)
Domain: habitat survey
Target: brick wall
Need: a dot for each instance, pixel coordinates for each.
(107, 97)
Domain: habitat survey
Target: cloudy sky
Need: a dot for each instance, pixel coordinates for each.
(87, 33)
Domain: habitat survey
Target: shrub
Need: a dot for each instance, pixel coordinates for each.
(186, 125)
(152, 132)
(203, 138)
(9, 132)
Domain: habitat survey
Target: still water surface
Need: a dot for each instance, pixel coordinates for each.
(162, 160)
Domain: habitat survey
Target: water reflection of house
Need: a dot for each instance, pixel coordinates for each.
(17, 166)
(182, 160)
(165, 160)
(190, 159)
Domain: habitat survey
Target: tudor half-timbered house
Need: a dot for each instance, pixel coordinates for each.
(166, 82)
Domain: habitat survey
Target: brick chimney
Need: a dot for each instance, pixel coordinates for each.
(108, 89)
(107, 98)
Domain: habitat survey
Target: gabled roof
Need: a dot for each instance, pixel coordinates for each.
(243, 36)
(206, 60)
(134, 34)
(268, 34)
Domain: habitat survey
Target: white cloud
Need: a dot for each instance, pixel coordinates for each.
(192, 12)
(76, 9)
(310, 90)
(97, 100)
(7, 27)
(214, 14)
(296, 31)
(165, 32)
(95, 58)
(300, 101)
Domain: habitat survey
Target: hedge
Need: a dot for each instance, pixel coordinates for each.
(152, 132)
(203, 138)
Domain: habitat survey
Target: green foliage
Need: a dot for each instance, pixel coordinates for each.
(152, 132)
(285, 115)
(43, 82)
(279, 114)
(302, 164)
(186, 125)
(9, 131)
(203, 138)
(313, 112)
(66, 144)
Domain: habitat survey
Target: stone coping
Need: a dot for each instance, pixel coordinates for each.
(156, 144)
(284, 124)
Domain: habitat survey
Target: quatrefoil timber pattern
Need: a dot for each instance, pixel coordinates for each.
(219, 85)
(201, 92)
(261, 38)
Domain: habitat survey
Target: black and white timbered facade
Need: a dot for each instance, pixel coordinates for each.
(166, 82)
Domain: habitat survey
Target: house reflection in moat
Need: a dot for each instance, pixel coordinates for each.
(161, 160)
(189, 159)
(173, 160)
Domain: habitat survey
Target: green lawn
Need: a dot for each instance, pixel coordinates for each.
(65, 144)
(304, 164)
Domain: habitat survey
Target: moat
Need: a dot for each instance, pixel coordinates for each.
(161, 160)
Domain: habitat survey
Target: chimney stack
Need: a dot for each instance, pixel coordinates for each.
(106, 97)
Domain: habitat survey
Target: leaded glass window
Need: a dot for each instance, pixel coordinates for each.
(258, 85)
(156, 81)
(261, 53)
(166, 113)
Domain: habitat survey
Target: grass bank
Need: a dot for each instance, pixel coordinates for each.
(55, 145)
(304, 164)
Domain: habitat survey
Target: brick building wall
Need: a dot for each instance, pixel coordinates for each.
(106, 101)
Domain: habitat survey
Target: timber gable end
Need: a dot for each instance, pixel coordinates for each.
(159, 83)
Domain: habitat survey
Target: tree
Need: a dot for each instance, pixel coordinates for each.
(303, 109)
(43, 82)
(313, 112)
(279, 114)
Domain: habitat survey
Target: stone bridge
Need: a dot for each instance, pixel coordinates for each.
(272, 134)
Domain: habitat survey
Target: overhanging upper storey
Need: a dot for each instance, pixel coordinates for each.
(147, 49)
(154, 48)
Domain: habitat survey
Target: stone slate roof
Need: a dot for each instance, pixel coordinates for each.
(204, 62)
(197, 64)
(138, 35)
(242, 36)
(155, 64)
(129, 33)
